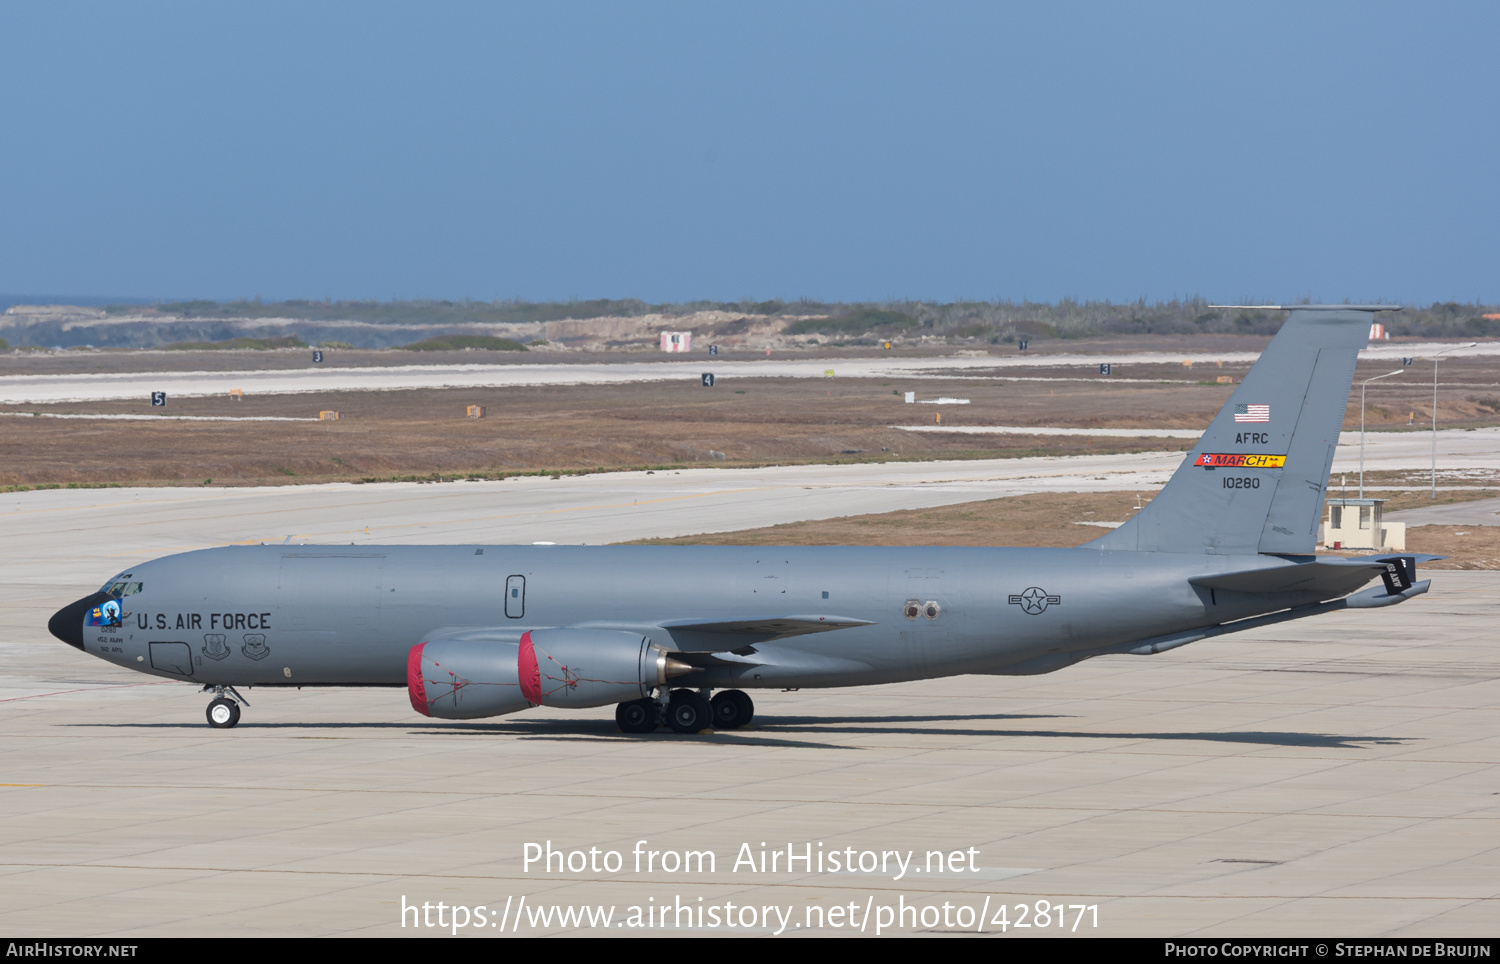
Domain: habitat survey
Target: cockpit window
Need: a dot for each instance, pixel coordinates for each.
(121, 589)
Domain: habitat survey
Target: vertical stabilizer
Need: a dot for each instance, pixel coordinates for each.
(1255, 481)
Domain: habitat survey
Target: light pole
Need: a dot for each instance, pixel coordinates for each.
(1434, 411)
(1362, 425)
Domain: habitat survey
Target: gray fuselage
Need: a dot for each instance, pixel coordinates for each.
(310, 615)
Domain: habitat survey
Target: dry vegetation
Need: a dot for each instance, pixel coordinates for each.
(741, 422)
(1044, 519)
(604, 320)
(1467, 547)
(577, 428)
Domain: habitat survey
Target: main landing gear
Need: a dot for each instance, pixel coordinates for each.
(686, 711)
(224, 712)
(732, 709)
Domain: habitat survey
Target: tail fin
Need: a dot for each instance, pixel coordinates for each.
(1254, 482)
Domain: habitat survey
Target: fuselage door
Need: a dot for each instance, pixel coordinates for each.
(515, 596)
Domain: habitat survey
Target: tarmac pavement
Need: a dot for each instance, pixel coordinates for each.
(1333, 776)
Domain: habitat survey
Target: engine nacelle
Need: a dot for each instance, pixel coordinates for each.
(464, 679)
(467, 679)
(591, 667)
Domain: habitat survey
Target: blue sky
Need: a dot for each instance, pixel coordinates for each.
(674, 151)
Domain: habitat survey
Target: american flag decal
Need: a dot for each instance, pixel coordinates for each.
(1252, 413)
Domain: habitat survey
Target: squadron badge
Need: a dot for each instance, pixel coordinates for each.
(255, 646)
(107, 613)
(214, 646)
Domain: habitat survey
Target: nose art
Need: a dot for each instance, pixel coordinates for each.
(67, 623)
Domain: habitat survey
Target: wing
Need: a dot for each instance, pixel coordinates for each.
(727, 634)
(762, 629)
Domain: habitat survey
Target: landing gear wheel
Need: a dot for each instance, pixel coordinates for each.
(688, 712)
(637, 716)
(732, 709)
(223, 713)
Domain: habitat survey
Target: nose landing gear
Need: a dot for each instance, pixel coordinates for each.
(224, 712)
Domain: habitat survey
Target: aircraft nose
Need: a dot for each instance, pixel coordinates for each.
(67, 623)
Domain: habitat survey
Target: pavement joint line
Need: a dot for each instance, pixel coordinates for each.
(857, 881)
(1371, 840)
(87, 689)
(1083, 811)
(1131, 744)
(1132, 740)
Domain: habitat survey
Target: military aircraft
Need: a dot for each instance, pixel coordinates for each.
(478, 631)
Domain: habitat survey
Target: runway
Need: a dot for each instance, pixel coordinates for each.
(34, 389)
(1330, 776)
(1042, 430)
(41, 389)
(1481, 512)
(1466, 451)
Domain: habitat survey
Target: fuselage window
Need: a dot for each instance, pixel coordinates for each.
(120, 589)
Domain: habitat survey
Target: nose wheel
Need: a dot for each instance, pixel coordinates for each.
(224, 712)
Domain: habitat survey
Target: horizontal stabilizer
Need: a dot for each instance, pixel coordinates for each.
(1326, 575)
(1375, 598)
(1369, 599)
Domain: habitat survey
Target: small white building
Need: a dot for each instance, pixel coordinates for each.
(676, 341)
(1357, 524)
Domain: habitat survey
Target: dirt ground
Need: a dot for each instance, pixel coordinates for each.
(424, 433)
(1044, 519)
(1467, 547)
(1047, 519)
